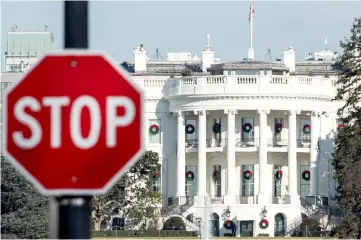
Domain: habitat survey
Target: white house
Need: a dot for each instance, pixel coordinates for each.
(251, 140)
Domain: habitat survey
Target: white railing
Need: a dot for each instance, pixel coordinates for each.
(246, 84)
(235, 84)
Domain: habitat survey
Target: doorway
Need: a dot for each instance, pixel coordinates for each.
(246, 228)
(279, 225)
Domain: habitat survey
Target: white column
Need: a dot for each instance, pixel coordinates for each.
(202, 160)
(315, 131)
(262, 156)
(181, 161)
(292, 157)
(230, 197)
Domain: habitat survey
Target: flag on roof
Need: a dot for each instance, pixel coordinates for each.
(251, 10)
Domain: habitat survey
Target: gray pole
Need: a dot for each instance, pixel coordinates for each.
(74, 211)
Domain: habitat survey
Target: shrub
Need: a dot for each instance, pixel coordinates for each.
(148, 233)
(174, 223)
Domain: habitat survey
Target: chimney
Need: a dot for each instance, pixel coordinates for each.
(289, 59)
(140, 59)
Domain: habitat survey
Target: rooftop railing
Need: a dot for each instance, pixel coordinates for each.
(300, 85)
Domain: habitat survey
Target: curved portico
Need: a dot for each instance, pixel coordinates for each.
(229, 146)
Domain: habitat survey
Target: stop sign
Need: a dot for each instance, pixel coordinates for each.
(73, 124)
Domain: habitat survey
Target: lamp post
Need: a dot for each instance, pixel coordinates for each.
(199, 220)
(264, 212)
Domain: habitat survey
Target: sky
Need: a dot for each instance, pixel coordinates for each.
(181, 26)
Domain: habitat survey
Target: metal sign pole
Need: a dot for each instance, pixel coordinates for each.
(74, 211)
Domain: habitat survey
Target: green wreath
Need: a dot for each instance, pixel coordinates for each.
(306, 175)
(190, 129)
(155, 176)
(278, 174)
(306, 129)
(279, 127)
(154, 129)
(216, 175)
(228, 224)
(217, 128)
(247, 175)
(263, 224)
(247, 127)
(190, 176)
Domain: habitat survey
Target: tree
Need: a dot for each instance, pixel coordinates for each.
(133, 196)
(347, 151)
(24, 211)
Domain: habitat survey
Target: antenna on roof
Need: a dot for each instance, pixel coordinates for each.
(268, 54)
(326, 44)
(157, 54)
(45, 28)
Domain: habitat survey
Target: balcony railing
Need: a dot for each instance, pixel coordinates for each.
(246, 200)
(249, 142)
(217, 199)
(210, 143)
(247, 84)
(281, 199)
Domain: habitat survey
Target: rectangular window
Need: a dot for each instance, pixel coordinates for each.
(305, 137)
(304, 183)
(157, 182)
(191, 180)
(217, 132)
(217, 180)
(278, 124)
(247, 176)
(191, 133)
(154, 131)
(248, 130)
(278, 183)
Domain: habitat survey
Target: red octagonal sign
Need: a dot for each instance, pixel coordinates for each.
(73, 124)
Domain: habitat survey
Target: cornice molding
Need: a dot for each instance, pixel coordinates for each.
(230, 111)
(279, 97)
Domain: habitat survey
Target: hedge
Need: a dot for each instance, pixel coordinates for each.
(147, 233)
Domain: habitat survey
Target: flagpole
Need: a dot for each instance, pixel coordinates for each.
(251, 30)
(251, 50)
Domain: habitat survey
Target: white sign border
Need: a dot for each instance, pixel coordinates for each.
(121, 172)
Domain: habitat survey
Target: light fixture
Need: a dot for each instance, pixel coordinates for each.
(264, 212)
(199, 220)
(227, 211)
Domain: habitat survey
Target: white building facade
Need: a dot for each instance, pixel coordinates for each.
(257, 146)
(255, 140)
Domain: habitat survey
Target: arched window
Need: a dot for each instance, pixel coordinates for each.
(279, 225)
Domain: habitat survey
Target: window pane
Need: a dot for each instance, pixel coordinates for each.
(217, 182)
(248, 137)
(191, 186)
(305, 138)
(277, 136)
(277, 183)
(192, 138)
(217, 136)
(157, 182)
(247, 185)
(304, 185)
